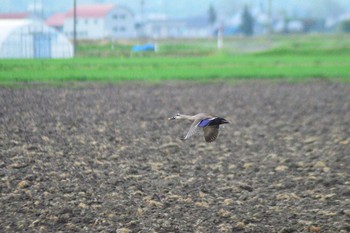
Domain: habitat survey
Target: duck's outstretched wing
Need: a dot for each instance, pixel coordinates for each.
(211, 133)
(193, 129)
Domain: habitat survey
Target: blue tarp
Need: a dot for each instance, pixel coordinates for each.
(143, 48)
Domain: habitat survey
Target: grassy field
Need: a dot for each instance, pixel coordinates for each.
(295, 58)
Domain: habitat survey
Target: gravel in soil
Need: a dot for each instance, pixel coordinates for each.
(104, 158)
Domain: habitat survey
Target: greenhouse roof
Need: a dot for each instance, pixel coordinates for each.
(9, 25)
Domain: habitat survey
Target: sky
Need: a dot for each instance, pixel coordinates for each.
(186, 8)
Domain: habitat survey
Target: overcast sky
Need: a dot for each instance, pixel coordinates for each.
(184, 8)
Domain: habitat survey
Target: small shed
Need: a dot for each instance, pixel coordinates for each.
(32, 39)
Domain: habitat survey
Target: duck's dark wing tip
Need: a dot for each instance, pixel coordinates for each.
(218, 121)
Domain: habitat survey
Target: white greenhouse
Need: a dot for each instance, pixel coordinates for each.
(32, 39)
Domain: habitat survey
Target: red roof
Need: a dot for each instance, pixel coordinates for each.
(91, 11)
(56, 20)
(19, 15)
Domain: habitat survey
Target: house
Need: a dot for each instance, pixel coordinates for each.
(198, 27)
(98, 21)
(290, 26)
(56, 21)
(160, 27)
(22, 38)
(312, 25)
(295, 26)
(164, 28)
(16, 15)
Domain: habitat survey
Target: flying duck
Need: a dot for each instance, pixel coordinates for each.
(209, 124)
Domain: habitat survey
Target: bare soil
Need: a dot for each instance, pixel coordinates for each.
(104, 158)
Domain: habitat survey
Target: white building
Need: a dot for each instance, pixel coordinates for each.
(32, 39)
(163, 27)
(100, 21)
(293, 26)
(199, 27)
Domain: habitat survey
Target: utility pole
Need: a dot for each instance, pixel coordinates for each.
(219, 39)
(34, 9)
(42, 10)
(142, 3)
(75, 27)
(270, 15)
(37, 9)
(142, 23)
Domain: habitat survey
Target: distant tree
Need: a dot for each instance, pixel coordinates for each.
(247, 24)
(212, 15)
(345, 26)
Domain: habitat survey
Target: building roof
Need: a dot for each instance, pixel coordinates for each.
(56, 20)
(17, 15)
(91, 10)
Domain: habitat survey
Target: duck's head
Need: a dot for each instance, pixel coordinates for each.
(176, 116)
